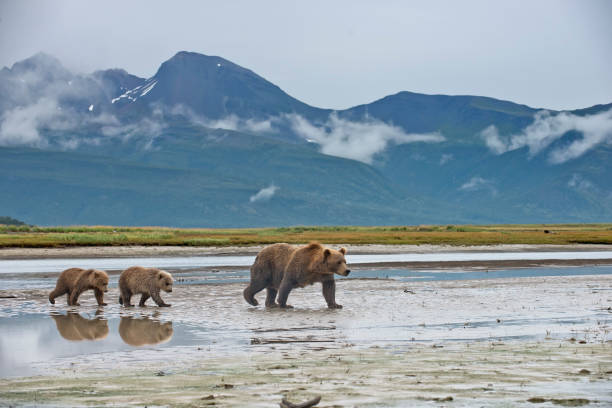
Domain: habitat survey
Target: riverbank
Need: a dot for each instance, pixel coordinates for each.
(365, 249)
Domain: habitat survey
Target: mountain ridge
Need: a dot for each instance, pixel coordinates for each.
(200, 138)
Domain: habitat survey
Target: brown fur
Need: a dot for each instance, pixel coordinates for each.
(142, 332)
(75, 281)
(75, 327)
(145, 281)
(282, 267)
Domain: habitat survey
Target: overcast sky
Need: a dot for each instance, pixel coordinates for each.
(336, 54)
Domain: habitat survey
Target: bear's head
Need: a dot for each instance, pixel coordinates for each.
(164, 281)
(335, 261)
(99, 280)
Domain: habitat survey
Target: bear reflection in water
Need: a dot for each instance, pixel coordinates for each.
(144, 331)
(74, 327)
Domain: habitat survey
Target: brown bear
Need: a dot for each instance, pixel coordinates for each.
(75, 327)
(142, 332)
(282, 267)
(146, 281)
(75, 281)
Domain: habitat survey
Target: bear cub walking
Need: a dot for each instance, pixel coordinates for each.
(75, 281)
(144, 281)
(281, 267)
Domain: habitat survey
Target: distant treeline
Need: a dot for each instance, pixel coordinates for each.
(10, 221)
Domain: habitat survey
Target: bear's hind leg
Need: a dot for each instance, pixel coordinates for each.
(73, 299)
(251, 290)
(57, 292)
(143, 299)
(283, 293)
(271, 297)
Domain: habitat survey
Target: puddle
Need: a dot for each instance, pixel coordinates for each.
(27, 340)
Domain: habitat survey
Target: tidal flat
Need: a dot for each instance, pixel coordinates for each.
(446, 337)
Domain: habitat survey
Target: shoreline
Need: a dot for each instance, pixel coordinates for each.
(369, 249)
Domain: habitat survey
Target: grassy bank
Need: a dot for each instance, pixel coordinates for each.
(562, 234)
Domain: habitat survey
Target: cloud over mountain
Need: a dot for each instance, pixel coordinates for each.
(547, 128)
(264, 194)
(357, 140)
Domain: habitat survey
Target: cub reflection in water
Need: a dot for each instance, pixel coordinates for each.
(144, 331)
(74, 327)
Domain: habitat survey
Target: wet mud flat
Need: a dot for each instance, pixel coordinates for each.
(529, 341)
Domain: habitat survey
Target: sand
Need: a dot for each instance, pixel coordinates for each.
(540, 341)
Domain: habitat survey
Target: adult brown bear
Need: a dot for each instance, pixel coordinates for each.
(281, 267)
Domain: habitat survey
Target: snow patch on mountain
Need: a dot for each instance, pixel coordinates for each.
(148, 88)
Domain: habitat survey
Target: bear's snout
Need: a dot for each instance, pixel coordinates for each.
(170, 290)
(347, 272)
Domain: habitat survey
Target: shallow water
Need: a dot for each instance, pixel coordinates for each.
(58, 265)
(13, 281)
(411, 307)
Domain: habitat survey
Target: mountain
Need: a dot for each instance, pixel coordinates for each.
(212, 87)
(205, 142)
(461, 117)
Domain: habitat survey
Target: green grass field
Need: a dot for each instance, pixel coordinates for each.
(563, 234)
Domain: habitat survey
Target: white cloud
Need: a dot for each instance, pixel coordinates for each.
(230, 122)
(445, 158)
(20, 125)
(478, 183)
(546, 128)
(356, 140)
(579, 183)
(264, 194)
(44, 108)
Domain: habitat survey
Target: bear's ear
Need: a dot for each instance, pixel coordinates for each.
(326, 253)
(160, 275)
(343, 250)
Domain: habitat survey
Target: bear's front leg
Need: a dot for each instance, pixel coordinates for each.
(157, 298)
(283, 293)
(99, 297)
(329, 293)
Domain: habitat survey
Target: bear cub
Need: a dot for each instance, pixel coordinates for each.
(75, 281)
(281, 267)
(144, 281)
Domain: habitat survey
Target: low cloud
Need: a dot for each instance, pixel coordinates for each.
(477, 183)
(47, 105)
(20, 125)
(546, 128)
(577, 182)
(356, 140)
(230, 122)
(264, 194)
(445, 158)
(29, 126)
